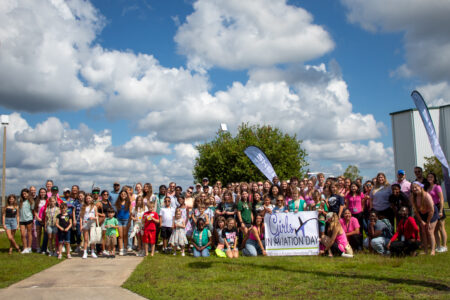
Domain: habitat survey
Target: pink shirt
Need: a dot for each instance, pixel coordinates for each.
(434, 193)
(354, 203)
(405, 186)
(351, 226)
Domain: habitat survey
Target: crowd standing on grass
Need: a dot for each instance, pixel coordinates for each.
(396, 219)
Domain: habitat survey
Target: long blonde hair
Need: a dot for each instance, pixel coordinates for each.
(334, 222)
(386, 182)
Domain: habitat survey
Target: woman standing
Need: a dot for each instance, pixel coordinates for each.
(427, 215)
(10, 218)
(102, 210)
(26, 207)
(41, 201)
(435, 192)
(123, 208)
(380, 198)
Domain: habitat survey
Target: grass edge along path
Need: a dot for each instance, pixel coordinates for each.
(365, 276)
(16, 267)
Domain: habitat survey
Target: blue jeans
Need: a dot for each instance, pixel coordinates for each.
(252, 248)
(378, 244)
(203, 253)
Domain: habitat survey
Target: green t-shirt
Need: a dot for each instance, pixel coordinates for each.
(246, 211)
(111, 221)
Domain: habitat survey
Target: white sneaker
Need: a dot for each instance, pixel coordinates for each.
(24, 251)
(63, 250)
(347, 255)
(442, 249)
(85, 254)
(60, 256)
(121, 252)
(129, 249)
(93, 254)
(105, 253)
(174, 253)
(182, 253)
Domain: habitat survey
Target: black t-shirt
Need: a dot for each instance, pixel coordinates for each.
(335, 202)
(399, 201)
(230, 235)
(227, 207)
(64, 221)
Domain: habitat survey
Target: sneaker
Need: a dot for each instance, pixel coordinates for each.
(50, 253)
(69, 256)
(174, 253)
(129, 249)
(55, 254)
(60, 256)
(121, 252)
(38, 250)
(93, 255)
(105, 253)
(182, 253)
(347, 255)
(85, 254)
(43, 252)
(63, 250)
(24, 251)
(442, 249)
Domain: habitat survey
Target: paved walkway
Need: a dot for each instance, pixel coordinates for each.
(78, 279)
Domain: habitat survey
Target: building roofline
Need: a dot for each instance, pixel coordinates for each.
(414, 109)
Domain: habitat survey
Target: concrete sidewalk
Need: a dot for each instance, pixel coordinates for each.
(78, 278)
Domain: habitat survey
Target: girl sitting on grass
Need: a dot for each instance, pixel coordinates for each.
(230, 236)
(201, 239)
(217, 237)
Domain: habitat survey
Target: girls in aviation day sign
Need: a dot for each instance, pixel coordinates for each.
(292, 233)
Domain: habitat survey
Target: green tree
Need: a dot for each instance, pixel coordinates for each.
(352, 172)
(433, 165)
(224, 159)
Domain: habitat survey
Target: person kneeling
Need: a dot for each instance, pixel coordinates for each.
(335, 241)
(255, 241)
(406, 240)
(379, 234)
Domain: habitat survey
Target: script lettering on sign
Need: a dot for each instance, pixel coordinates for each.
(292, 233)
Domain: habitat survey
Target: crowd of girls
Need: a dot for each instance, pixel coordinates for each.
(402, 218)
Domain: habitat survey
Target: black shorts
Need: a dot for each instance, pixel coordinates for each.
(443, 211)
(166, 232)
(26, 223)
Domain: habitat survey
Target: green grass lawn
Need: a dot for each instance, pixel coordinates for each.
(16, 266)
(365, 276)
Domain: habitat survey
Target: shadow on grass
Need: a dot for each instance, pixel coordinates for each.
(414, 282)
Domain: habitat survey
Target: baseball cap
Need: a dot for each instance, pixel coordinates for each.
(55, 188)
(66, 190)
(205, 179)
(198, 184)
(401, 172)
(96, 190)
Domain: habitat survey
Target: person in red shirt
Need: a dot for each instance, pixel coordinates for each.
(405, 241)
(150, 219)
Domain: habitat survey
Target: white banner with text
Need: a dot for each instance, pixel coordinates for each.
(292, 233)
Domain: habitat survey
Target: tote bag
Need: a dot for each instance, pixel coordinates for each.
(95, 236)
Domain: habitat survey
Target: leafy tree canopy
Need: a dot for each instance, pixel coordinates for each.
(224, 159)
(433, 165)
(352, 172)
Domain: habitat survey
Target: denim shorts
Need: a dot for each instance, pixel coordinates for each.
(52, 230)
(64, 236)
(123, 223)
(11, 223)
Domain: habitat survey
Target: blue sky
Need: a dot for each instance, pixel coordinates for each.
(124, 90)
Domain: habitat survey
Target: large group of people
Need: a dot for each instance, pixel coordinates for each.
(402, 218)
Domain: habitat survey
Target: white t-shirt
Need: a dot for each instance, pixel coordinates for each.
(167, 214)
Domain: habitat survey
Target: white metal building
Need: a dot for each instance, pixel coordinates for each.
(410, 138)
